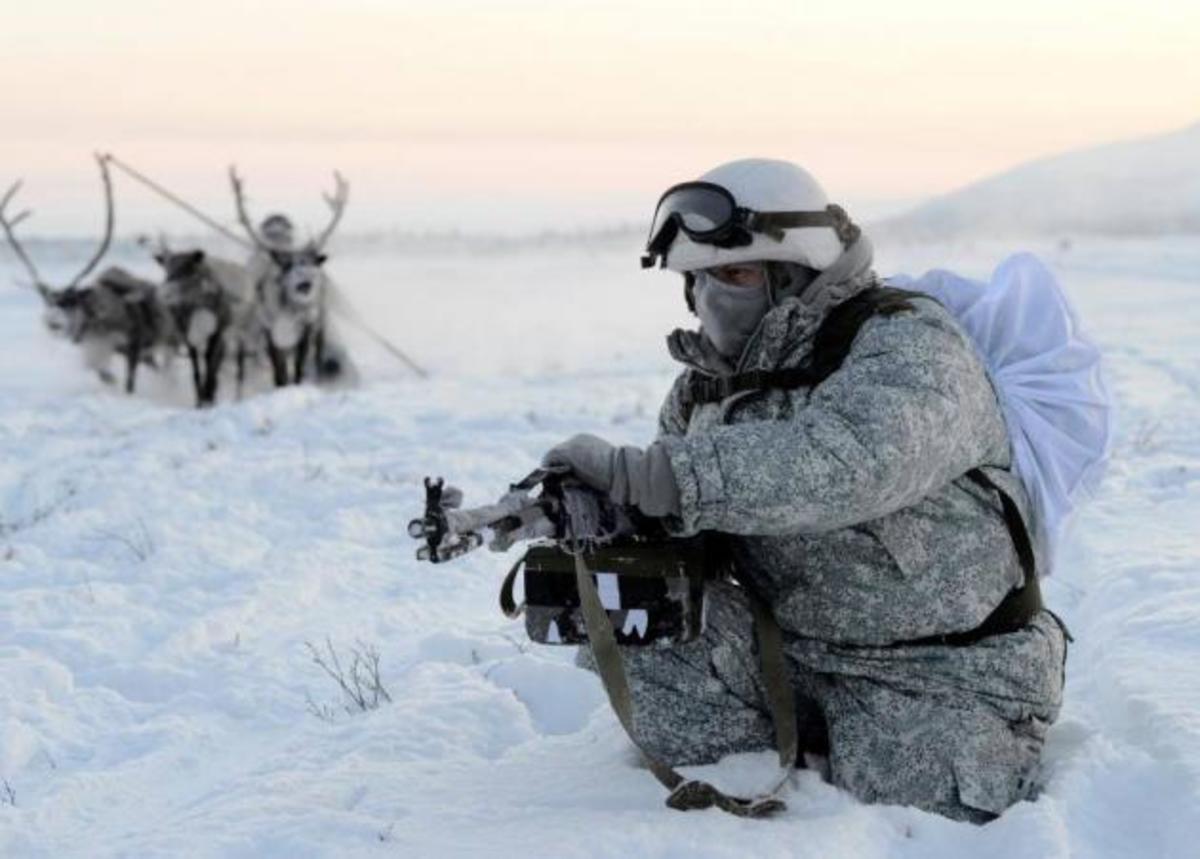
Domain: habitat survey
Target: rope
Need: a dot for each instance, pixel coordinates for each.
(345, 312)
(354, 319)
(178, 201)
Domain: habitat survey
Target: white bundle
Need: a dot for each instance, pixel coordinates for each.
(1046, 373)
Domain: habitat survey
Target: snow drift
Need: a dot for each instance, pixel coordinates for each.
(1149, 186)
(162, 571)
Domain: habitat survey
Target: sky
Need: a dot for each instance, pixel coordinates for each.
(530, 114)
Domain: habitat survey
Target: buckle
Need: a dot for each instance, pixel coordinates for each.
(847, 231)
(706, 389)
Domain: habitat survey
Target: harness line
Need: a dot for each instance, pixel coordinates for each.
(178, 201)
(345, 312)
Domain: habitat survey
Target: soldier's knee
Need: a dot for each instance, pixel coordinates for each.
(966, 763)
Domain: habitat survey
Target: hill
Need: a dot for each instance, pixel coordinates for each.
(1146, 186)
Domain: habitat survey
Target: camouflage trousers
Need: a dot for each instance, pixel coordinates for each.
(953, 730)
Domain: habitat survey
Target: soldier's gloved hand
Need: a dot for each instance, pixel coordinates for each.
(630, 476)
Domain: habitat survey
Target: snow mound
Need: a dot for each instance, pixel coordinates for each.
(1149, 186)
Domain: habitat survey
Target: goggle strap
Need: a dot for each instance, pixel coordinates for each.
(774, 223)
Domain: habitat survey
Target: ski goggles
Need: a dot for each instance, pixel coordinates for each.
(708, 213)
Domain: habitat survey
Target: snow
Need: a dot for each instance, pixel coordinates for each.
(163, 570)
(1147, 186)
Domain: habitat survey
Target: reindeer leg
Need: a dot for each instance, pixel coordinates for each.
(241, 368)
(302, 353)
(319, 352)
(132, 356)
(278, 365)
(194, 358)
(214, 355)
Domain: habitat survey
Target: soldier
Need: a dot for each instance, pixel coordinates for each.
(873, 509)
(277, 233)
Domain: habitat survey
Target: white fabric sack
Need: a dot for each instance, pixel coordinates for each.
(1046, 373)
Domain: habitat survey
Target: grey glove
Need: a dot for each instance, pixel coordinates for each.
(630, 476)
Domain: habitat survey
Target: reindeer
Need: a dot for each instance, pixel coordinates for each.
(292, 290)
(117, 313)
(211, 305)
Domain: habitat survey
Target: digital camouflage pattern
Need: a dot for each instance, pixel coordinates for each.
(854, 520)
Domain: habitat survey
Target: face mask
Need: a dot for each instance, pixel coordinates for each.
(729, 314)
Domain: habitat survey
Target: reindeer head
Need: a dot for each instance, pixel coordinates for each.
(68, 309)
(300, 277)
(188, 282)
(182, 268)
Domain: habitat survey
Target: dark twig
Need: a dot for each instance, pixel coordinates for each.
(141, 544)
(359, 682)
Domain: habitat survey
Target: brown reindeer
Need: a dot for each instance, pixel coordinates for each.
(117, 313)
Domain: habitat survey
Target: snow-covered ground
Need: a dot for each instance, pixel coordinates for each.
(162, 572)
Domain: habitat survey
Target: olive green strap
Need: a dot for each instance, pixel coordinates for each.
(508, 605)
(686, 794)
(780, 696)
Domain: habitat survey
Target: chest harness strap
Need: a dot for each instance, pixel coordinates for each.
(831, 345)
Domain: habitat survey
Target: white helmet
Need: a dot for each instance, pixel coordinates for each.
(748, 210)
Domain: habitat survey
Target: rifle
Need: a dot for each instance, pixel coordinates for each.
(450, 532)
(653, 593)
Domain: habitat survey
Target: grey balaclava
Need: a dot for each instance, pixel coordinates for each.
(729, 315)
(812, 292)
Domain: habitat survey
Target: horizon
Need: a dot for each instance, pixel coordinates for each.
(533, 216)
(531, 115)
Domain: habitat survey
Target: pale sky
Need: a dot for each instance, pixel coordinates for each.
(541, 112)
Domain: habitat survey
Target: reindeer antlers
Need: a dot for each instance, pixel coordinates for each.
(9, 226)
(337, 202)
(239, 199)
(109, 221)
